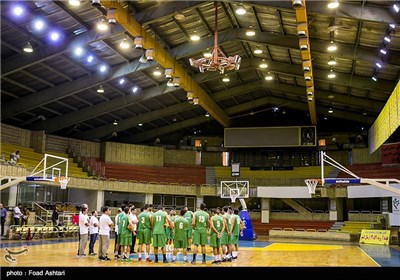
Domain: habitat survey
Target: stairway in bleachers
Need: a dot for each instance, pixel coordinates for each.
(210, 175)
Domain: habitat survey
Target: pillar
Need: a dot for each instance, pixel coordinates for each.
(199, 200)
(12, 197)
(149, 198)
(99, 203)
(332, 209)
(265, 209)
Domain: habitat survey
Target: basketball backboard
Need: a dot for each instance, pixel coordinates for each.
(51, 168)
(235, 189)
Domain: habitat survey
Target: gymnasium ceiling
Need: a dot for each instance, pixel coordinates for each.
(54, 90)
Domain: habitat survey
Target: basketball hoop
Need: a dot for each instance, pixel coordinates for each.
(63, 181)
(311, 184)
(233, 197)
(234, 193)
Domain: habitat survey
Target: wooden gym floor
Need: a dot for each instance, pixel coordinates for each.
(262, 252)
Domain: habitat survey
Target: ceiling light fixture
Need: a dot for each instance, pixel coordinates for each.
(297, 4)
(102, 25)
(250, 32)
(225, 79)
(124, 44)
(96, 3)
(263, 64)
(269, 77)
(138, 42)
(258, 50)
(207, 115)
(28, 48)
(142, 59)
(111, 16)
(179, 16)
(170, 83)
(330, 111)
(100, 89)
(176, 81)
(333, 4)
(218, 61)
(374, 78)
(195, 37)
(240, 10)
(149, 54)
(168, 73)
(157, 72)
(331, 61)
(331, 47)
(307, 65)
(331, 74)
(383, 51)
(115, 122)
(74, 2)
(207, 54)
(302, 30)
(396, 8)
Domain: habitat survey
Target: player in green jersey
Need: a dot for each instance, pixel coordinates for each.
(180, 235)
(200, 224)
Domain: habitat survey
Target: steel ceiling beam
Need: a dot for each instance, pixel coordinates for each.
(41, 54)
(166, 61)
(164, 10)
(67, 120)
(353, 9)
(296, 105)
(66, 89)
(102, 131)
(318, 46)
(58, 92)
(304, 42)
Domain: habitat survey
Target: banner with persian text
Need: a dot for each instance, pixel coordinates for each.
(375, 236)
(390, 154)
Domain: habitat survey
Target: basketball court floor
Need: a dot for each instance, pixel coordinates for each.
(262, 252)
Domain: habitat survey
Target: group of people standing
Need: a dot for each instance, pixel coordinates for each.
(155, 227)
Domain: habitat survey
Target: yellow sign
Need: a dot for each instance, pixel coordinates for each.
(375, 236)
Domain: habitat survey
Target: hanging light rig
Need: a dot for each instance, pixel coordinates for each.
(218, 60)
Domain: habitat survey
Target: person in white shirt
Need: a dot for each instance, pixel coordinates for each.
(104, 233)
(94, 232)
(17, 214)
(83, 231)
(133, 218)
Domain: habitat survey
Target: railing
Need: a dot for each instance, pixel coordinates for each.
(42, 214)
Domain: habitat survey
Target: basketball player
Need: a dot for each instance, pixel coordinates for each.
(200, 223)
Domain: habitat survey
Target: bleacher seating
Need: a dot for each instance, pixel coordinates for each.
(30, 159)
(293, 225)
(355, 227)
(273, 177)
(372, 171)
(189, 175)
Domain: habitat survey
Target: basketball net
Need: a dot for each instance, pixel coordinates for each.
(63, 181)
(234, 194)
(311, 184)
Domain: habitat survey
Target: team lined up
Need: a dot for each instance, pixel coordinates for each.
(154, 227)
